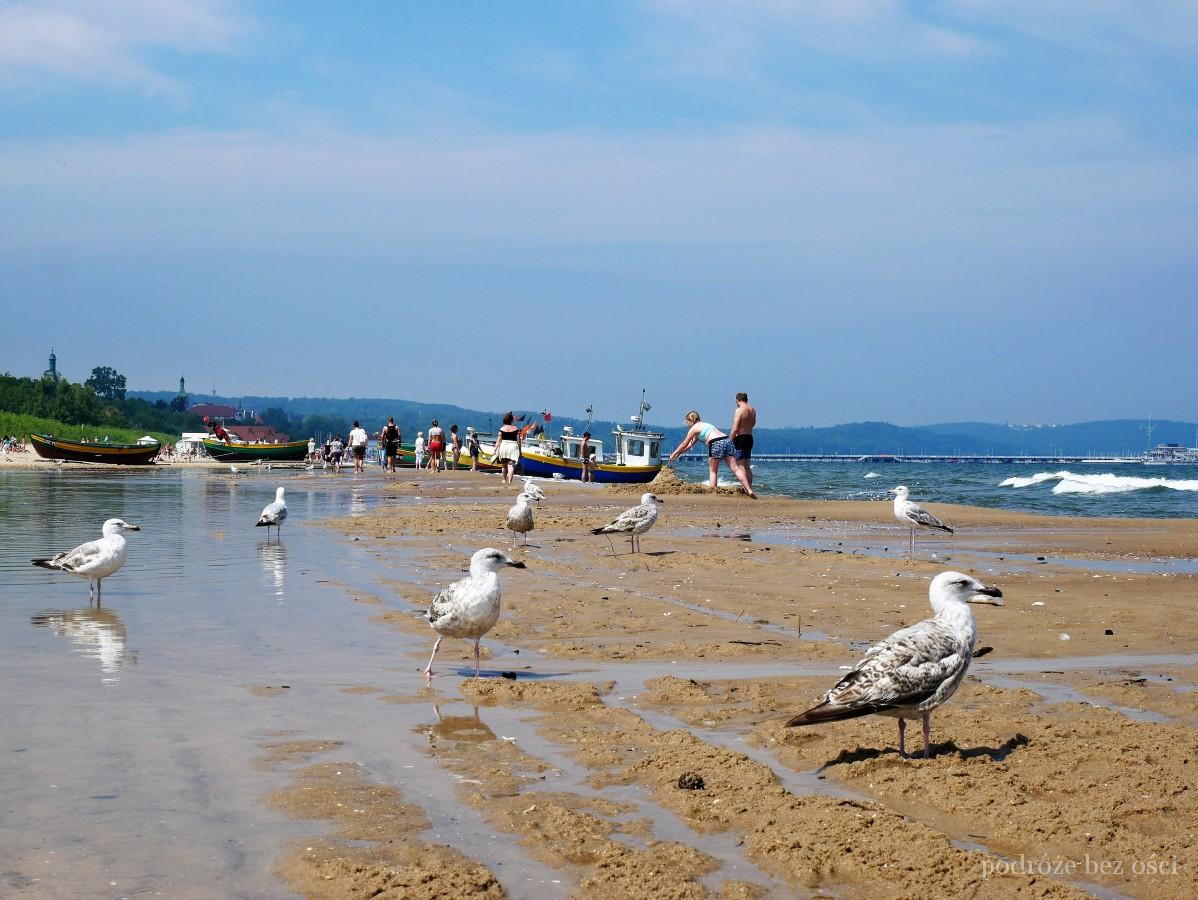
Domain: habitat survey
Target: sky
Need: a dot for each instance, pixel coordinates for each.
(917, 212)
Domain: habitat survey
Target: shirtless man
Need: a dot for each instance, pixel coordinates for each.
(743, 421)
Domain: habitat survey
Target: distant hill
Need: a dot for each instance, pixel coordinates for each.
(1116, 436)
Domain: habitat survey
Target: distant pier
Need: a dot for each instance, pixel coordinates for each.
(883, 458)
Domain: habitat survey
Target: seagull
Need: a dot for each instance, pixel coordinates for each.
(469, 608)
(634, 522)
(917, 668)
(912, 514)
(533, 491)
(519, 517)
(233, 470)
(273, 514)
(95, 560)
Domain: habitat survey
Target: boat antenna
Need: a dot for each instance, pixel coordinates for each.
(590, 411)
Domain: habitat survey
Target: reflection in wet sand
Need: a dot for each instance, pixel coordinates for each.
(274, 563)
(97, 633)
(466, 729)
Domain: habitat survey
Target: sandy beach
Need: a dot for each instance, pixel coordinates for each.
(1063, 766)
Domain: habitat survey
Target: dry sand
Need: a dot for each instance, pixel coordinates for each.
(1033, 787)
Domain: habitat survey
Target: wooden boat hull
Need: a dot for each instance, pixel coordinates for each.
(50, 447)
(237, 451)
(407, 459)
(544, 466)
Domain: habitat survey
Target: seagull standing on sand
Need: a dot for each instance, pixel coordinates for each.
(469, 608)
(917, 668)
(95, 560)
(913, 515)
(534, 491)
(273, 514)
(634, 522)
(519, 517)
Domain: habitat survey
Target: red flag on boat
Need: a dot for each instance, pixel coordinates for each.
(548, 415)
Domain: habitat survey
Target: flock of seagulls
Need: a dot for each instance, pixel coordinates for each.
(904, 676)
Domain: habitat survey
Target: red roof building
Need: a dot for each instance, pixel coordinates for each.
(214, 411)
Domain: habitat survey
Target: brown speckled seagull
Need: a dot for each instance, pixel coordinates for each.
(916, 669)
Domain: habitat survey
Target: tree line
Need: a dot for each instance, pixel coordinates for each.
(99, 401)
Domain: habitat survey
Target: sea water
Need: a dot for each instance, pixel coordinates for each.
(1133, 490)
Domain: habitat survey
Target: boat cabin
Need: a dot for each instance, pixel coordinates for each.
(637, 448)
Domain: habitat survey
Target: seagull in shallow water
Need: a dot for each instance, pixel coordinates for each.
(634, 522)
(917, 668)
(273, 514)
(519, 517)
(913, 515)
(95, 560)
(469, 608)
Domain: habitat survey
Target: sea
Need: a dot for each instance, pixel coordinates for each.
(1129, 489)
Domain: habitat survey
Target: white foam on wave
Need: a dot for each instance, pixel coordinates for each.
(872, 475)
(1107, 483)
(1040, 477)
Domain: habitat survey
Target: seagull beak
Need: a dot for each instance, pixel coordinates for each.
(516, 565)
(133, 528)
(990, 595)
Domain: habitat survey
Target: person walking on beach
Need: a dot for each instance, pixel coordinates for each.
(436, 446)
(391, 441)
(357, 444)
(507, 447)
(719, 447)
(743, 421)
(337, 448)
(586, 455)
(475, 449)
(419, 450)
(455, 446)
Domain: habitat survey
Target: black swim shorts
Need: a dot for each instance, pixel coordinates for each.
(744, 443)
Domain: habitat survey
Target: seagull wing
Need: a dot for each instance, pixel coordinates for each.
(625, 521)
(900, 671)
(445, 604)
(921, 516)
(274, 513)
(82, 557)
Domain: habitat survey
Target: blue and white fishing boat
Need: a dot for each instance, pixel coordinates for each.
(635, 459)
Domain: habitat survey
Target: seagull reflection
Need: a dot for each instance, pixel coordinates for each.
(458, 729)
(97, 633)
(274, 563)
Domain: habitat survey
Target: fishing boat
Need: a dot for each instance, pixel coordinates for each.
(246, 452)
(406, 459)
(50, 447)
(635, 460)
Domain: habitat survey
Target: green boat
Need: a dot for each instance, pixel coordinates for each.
(243, 452)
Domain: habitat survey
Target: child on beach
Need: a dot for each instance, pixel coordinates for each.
(419, 450)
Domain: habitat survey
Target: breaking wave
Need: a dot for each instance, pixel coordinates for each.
(873, 475)
(1109, 483)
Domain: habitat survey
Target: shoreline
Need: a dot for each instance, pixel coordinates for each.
(757, 594)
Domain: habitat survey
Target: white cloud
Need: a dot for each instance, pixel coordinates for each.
(105, 42)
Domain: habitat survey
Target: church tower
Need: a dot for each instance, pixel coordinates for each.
(52, 372)
(182, 389)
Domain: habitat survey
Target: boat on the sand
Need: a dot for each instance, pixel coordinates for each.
(246, 452)
(50, 447)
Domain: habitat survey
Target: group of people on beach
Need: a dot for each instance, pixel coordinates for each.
(736, 449)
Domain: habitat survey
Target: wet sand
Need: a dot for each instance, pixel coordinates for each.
(629, 739)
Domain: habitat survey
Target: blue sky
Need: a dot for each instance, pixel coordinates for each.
(852, 209)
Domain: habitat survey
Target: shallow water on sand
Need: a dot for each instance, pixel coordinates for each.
(130, 732)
